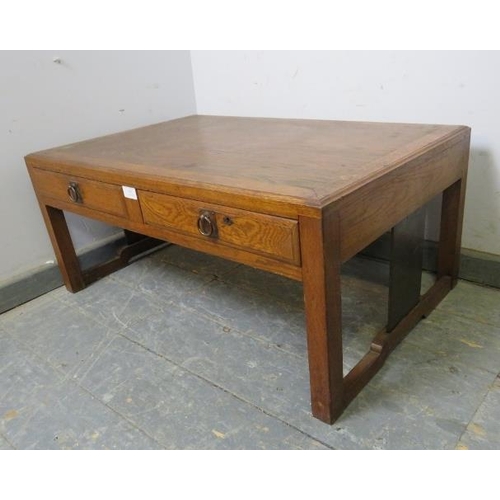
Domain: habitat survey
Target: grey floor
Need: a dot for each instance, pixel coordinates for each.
(186, 351)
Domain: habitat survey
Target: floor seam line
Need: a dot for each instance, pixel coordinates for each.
(475, 413)
(8, 440)
(260, 294)
(217, 386)
(69, 378)
(463, 316)
(97, 398)
(244, 334)
(416, 344)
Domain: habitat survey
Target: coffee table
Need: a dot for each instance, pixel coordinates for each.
(293, 197)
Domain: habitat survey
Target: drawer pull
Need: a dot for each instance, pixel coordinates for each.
(74, 192)
(206, 224)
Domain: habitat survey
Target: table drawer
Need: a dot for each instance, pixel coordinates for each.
(265, 234)
(99, 196)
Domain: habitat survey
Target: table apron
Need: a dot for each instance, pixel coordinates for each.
(209, 246)
(375, 208)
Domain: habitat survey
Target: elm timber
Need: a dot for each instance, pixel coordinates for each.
(292, 197)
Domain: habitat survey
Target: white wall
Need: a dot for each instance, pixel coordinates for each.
(427, 87)
(45, 104)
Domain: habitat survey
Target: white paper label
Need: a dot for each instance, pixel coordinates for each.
(129, 192)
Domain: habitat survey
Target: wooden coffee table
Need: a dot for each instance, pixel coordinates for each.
(293, 197)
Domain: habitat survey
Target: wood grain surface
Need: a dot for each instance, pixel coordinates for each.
(94, 194)
(294, 197)
(275, 236)
(278, 166)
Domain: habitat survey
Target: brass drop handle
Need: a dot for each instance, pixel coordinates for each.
(74, 192)
(207, 225)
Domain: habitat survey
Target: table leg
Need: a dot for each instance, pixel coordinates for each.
(330, 391)
(321, 279)
(405, 276)
(74, 278)
(452, 213)
(63, 247)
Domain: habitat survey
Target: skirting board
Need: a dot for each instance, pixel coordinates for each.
(44, 279)
(478, 267)
(475, 266)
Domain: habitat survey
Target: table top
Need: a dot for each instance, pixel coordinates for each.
(307, 162)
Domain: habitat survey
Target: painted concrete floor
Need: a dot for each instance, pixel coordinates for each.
(186, 351)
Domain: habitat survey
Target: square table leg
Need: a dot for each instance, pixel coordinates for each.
(62, 243)
(452, 213)
(320, 247)
(405, 275)
(74, 278)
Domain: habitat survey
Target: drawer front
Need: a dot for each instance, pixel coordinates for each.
(99, 196)
(265, 234)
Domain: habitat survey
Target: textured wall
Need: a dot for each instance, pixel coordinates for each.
(82, 95)
(427, 87)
